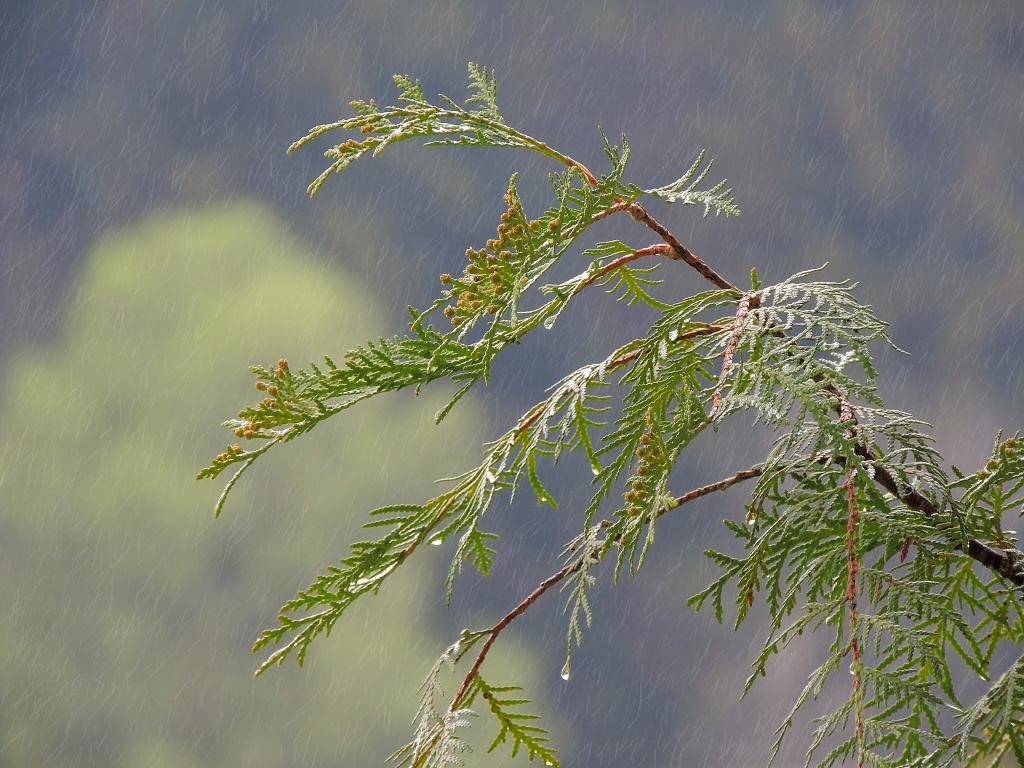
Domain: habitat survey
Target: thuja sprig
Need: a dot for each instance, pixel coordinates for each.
(854, 528)
(445, 123)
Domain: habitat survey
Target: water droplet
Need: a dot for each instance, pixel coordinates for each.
(596, 471)
(550, 323)
(437, 541)
(565, 671)
(548, 762)
(366, 581)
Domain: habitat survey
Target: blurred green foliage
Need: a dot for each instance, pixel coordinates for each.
(130, 611)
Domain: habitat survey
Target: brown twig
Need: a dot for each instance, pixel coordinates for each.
(507, 619)
(998, 561)
(616, 263)
(572, 163)
(557, 576)
(742, 309)
(677, 251)
(621, 205)
(704, 490)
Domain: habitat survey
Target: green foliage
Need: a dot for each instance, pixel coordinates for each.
(438, 740)
(687, 190)
(854, 531)
(514, 727)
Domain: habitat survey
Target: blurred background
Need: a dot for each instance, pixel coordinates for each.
(156, 240)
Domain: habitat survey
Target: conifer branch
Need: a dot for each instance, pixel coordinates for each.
(794, 355)
(719, 485)
(508, 618)
(676, 250)
(1001, 562)
(621, 261)
(573, 566)
(436, 733)
(679, 251)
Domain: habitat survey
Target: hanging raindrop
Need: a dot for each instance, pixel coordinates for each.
(565, 671)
